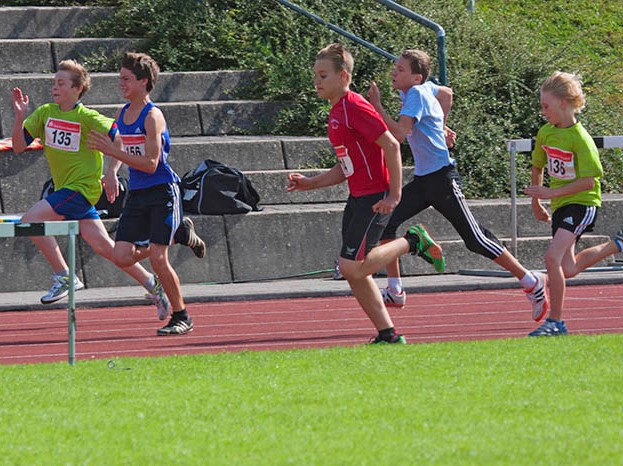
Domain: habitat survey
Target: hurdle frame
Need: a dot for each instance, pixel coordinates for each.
(68, 228)
(515, 146)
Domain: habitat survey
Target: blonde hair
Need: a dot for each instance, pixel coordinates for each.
(338, 55)
(420, 62)
(79, 76)
(566, 86)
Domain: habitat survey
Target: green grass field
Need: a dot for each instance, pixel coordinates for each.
(505, 402)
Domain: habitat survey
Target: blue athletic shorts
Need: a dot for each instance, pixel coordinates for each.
(72, 205)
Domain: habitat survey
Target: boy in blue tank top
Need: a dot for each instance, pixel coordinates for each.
(153, 211)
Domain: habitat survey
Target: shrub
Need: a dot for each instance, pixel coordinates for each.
(497, 58)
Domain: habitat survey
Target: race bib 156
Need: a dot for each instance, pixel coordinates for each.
(134, 144)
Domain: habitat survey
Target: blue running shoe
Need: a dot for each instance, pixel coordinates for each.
(550, 328)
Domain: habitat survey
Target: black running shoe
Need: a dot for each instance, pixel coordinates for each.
(177, 326)
(187, 236)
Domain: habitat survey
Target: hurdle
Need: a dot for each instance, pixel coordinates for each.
(13, 228)
(515, 146)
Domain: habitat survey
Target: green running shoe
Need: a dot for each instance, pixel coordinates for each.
(424, 246)
(396, 340)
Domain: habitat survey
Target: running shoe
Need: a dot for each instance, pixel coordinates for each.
(618, 239)
(395, 340)
(538, 297)
(550, 328)
(337, 275)
(159, 299)
(60, 288)
(392, 299)
(187, 236)
(421, 244)
(176, 326)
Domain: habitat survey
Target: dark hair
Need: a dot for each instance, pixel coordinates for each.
(420, 62)
(142, 66)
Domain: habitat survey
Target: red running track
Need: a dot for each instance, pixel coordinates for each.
(107, 333)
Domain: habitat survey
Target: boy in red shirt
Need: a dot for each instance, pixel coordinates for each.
(369, 158)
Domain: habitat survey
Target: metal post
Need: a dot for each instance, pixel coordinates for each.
(73, 229)
(513, 152)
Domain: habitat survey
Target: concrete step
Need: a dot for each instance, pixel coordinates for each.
(22, 178)
(187, 96)
(294, 240)
(213, 118)
(248, 153)
(46, 22)
(22, 175)
(44, 55)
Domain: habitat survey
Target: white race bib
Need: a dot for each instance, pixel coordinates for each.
(560, 163)
(134, 144)
(345, 161)
(62, 135)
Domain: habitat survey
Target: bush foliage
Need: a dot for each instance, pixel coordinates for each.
(497, 57)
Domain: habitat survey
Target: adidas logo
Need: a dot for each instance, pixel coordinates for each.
(568, 220)
(138, 131)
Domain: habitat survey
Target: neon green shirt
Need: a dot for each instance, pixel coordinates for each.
(569, 154)
(63, 135)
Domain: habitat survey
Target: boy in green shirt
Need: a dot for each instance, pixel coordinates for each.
(572, 161)
(76, 170)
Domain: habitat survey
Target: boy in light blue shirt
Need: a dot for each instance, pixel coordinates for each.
(436, 181)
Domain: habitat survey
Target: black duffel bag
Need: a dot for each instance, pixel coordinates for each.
(214, 188)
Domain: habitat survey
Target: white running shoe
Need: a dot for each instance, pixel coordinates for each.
(538, 296)
(60, 288)
(159, 299)
(392, 299)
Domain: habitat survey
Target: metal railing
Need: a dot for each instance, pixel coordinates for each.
(439, 31)
(441, 34)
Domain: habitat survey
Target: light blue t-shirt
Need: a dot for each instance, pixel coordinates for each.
(427, 139)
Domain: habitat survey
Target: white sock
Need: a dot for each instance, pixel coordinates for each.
(151, 282)
(528, 281)
(394, 284)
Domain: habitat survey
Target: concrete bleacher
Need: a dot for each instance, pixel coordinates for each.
(295, 233)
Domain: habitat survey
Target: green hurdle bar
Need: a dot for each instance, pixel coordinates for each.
(71, 229)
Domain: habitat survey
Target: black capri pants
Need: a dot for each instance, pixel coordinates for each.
(442, 191)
